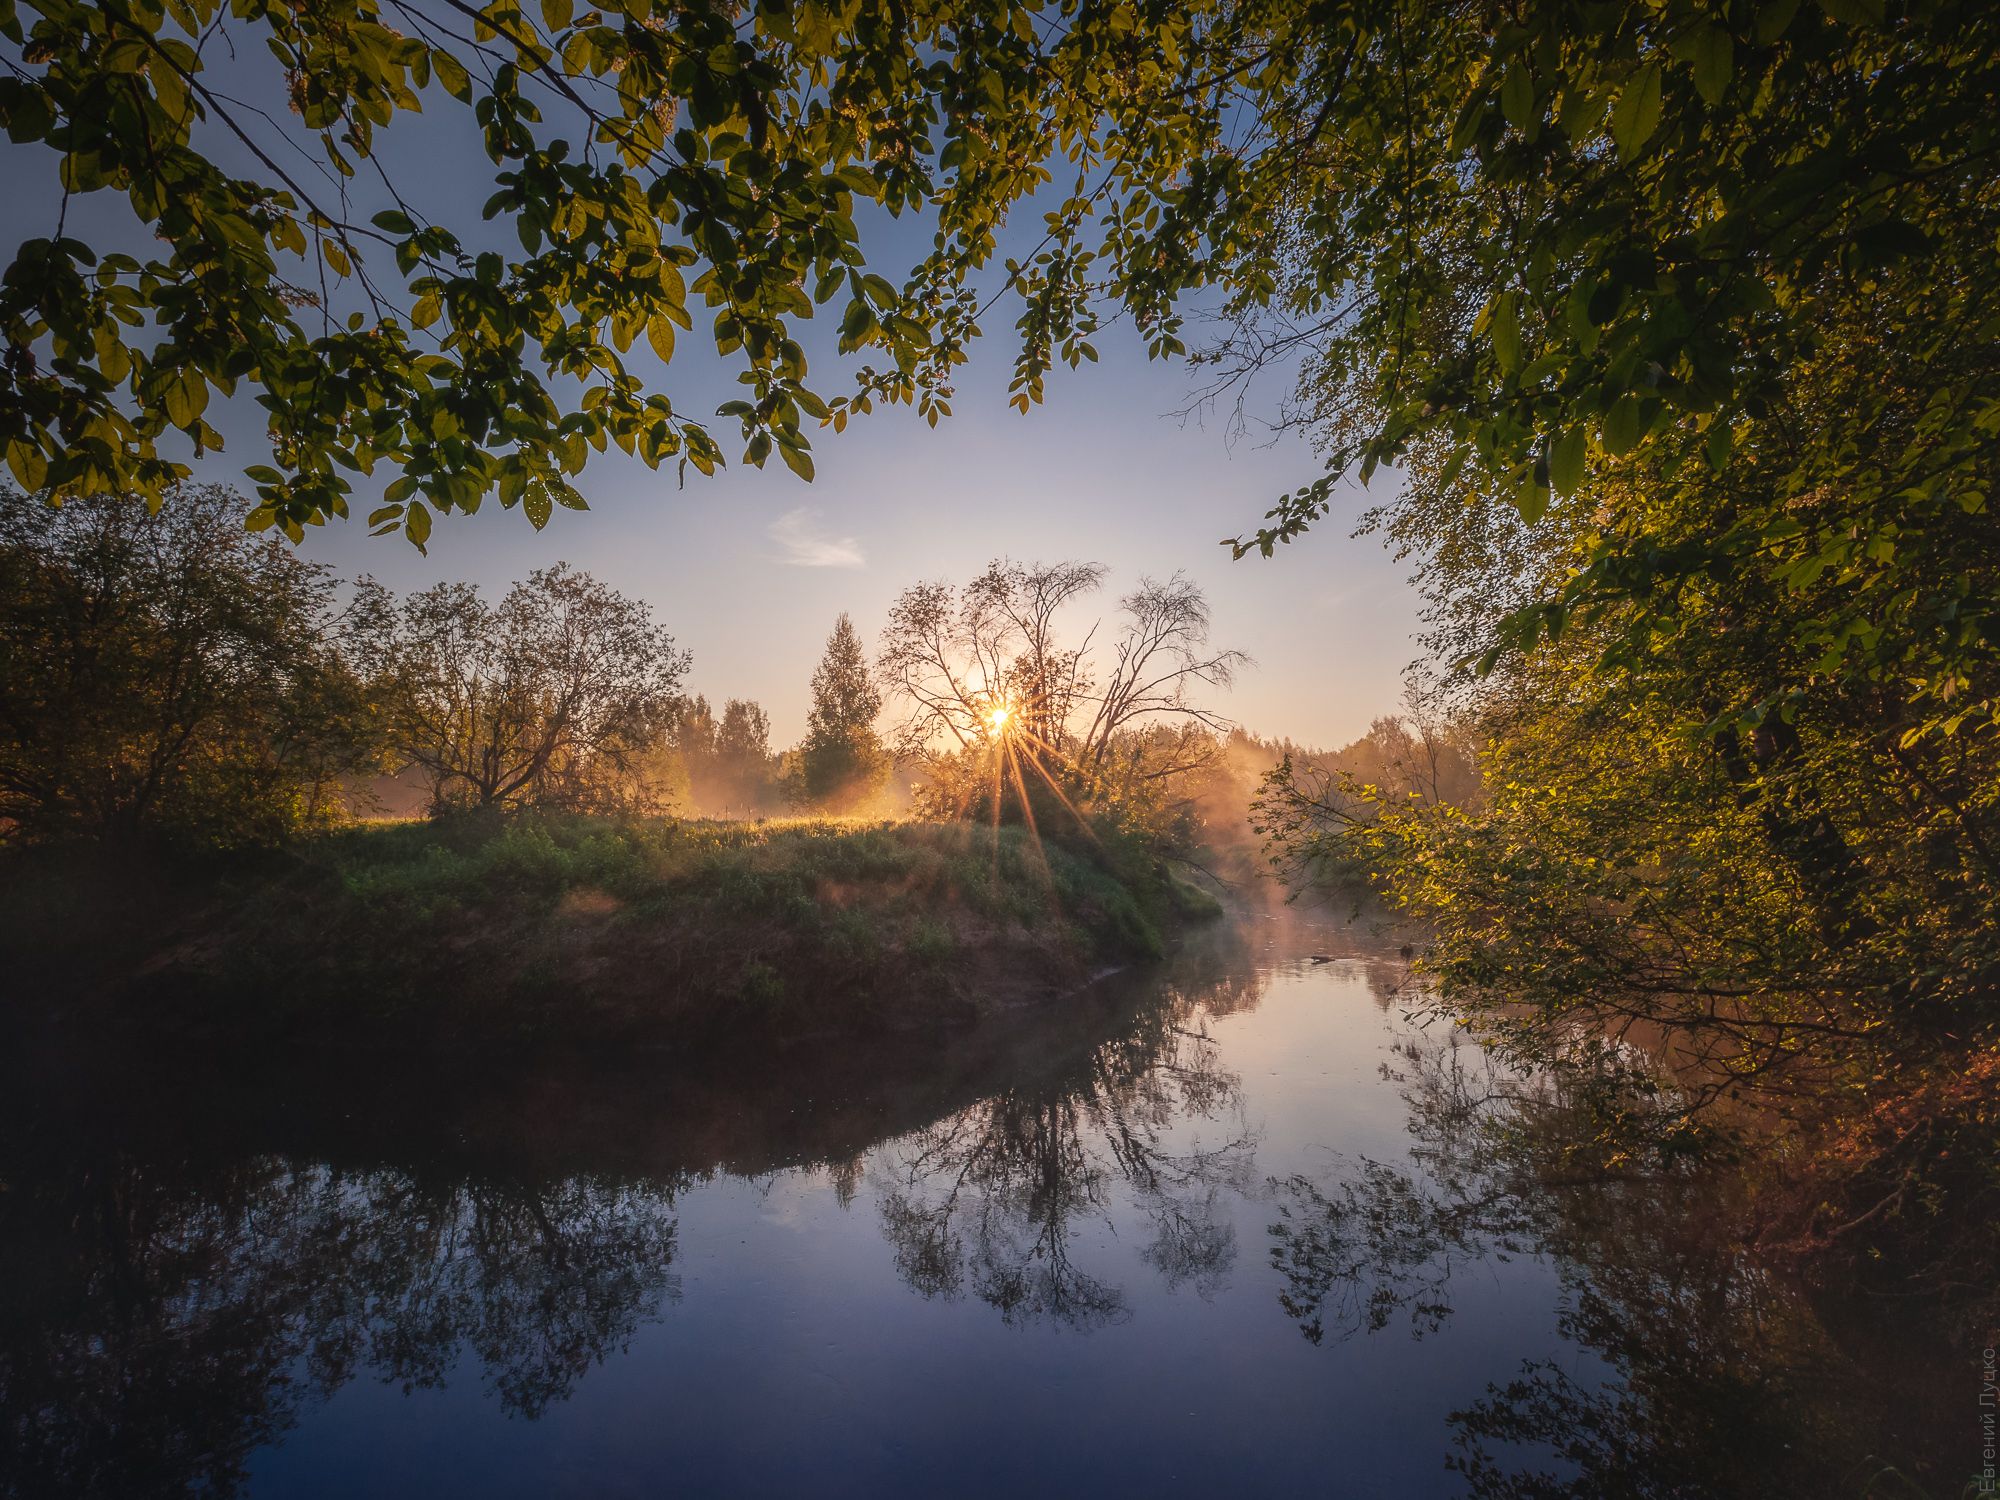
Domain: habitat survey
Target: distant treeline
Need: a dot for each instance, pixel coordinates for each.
(168, 674)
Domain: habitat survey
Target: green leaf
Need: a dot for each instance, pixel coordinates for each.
(417, 523)
(180, 409)
(797, 460)
(660, 334)
(1504, 328)
(1566, 455)
(29, 467)
(1773, 16)
(535, 505)
(1636, 115)
(1622, 426)
(1717, 446)
(451, 73)
(1714, 60)
(1517, 97)
(1531, 499)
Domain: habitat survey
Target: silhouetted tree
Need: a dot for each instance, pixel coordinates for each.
(550, 698)
(842, 759)
(1000, 699)
(166, 670)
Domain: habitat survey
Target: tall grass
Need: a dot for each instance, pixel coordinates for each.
(593, 927)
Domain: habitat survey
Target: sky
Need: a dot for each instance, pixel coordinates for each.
(750, 569)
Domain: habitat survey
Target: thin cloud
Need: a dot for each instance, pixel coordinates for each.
(808, 545)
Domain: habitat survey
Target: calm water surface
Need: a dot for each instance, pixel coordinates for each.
(1235, 1227)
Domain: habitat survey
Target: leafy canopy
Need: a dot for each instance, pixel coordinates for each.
(168, 676)
(652, 159)
(1747, 243)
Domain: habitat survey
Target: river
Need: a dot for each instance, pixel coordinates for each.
(1236, 1226)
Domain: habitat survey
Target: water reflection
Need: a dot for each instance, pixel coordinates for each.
(991, 1199)
(196, 1259)
(155, 1330)
(1373, 1241)
(173, 1302)
(1717, 1375)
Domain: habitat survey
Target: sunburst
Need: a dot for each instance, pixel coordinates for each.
(1014, 750)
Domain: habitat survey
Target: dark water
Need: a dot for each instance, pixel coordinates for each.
(1238, 1227)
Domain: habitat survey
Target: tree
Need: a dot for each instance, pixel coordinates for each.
(1158, 661)
(731, 770)
(1519, 249)
(553, 697)
(690, 155)
(1679, 323)
(994, 694)
(695, 730)
(842, 758)
(165, 672)
(989, 660)
(744, 770)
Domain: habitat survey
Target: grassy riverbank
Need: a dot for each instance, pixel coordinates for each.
(583, 929)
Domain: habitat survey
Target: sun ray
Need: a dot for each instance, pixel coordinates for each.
(1063, 797)
(998, 793)
(1028, 814)
(1022, 732)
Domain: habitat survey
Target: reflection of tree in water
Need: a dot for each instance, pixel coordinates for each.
(991, 1199)
(1722, 1381)
(158, 1329)
(1381, 1240)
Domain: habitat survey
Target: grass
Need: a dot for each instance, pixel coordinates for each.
(595, 929)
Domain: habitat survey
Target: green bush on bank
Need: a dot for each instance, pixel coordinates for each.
(491, 928)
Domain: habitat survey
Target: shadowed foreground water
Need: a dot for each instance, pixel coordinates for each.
(1234, 1227)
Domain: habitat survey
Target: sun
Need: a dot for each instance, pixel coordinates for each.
(998, 717)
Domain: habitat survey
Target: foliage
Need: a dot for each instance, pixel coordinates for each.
(731, 770)
(1528, 246)
(1733, 251)
(691, 157)
(842, 760)
(1311, 806)
(488, 932)
(986, 671)
(554, 697)
(1787, 936)
(1678, 322)
(167, 673)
